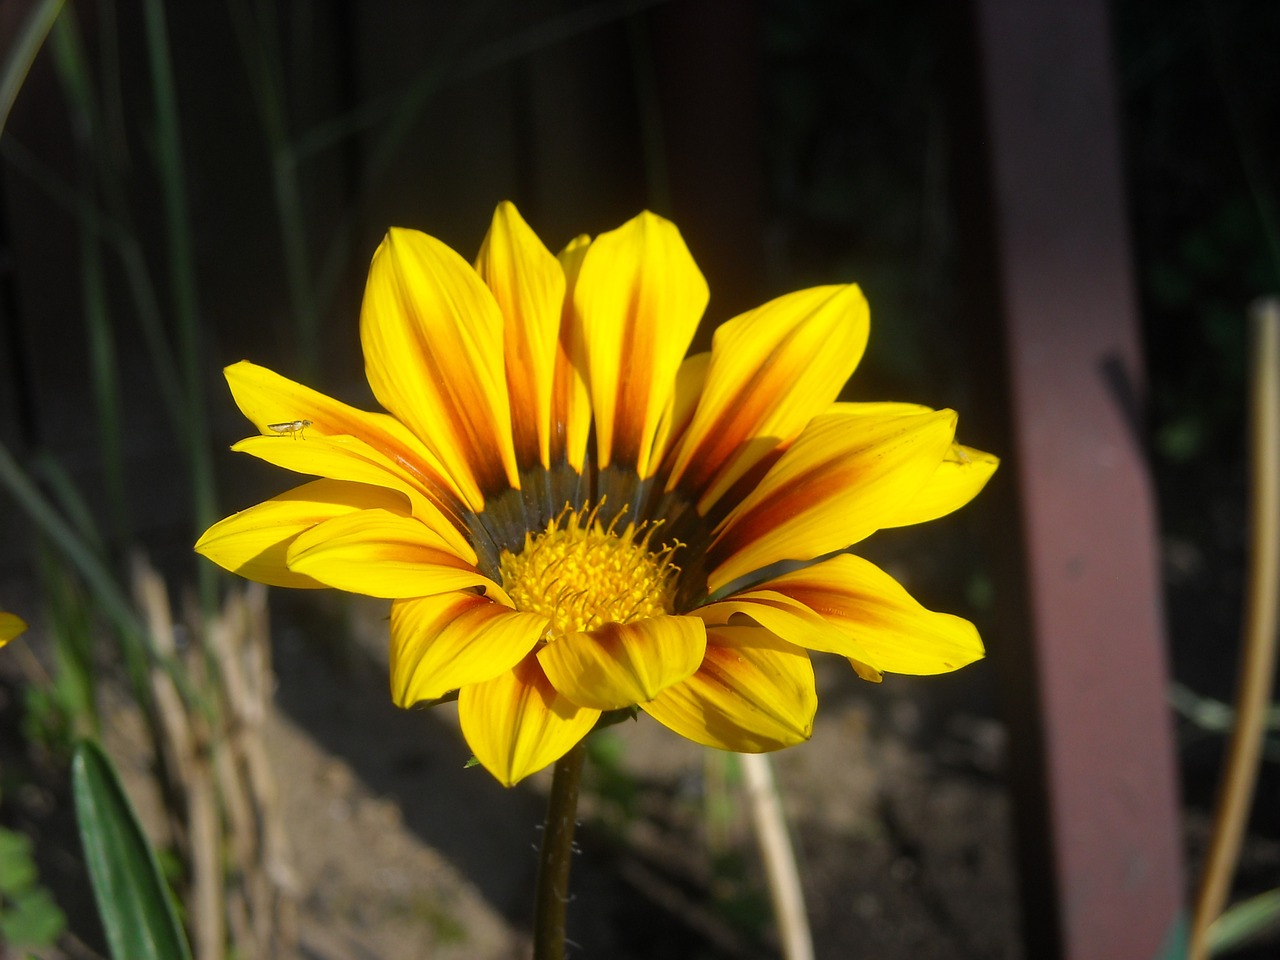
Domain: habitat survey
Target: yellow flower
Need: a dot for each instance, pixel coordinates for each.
(572, 517)
(11, 626)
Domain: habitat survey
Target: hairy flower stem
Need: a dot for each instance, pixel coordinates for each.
(551, 895)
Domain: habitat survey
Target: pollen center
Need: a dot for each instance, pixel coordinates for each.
(581, 574)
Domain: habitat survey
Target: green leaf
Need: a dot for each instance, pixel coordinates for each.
(32, 920)
(134, 902)
(23, 52)
(1244, 921)
(17, 872)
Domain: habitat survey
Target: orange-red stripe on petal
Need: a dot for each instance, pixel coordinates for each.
(753, 693)
(265, 398)
(517, 723)
(772, 370)
(640, 297)
(870, 618)
(528, 284)
(255, 542)
(447, 641)
(690, 380)
(351, 459)
(570, 399)
(379, 554)
(621, 664)
(839, 482)
(433, 348)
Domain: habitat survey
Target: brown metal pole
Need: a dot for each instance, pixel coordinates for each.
(1085, 677)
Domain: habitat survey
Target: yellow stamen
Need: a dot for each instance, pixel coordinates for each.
(581, 574)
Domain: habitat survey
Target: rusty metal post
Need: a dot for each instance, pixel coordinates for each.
(1094, 775)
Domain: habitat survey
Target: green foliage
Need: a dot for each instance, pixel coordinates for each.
(1243, 922)
(64, 710)
(28, 916)
(134, 902)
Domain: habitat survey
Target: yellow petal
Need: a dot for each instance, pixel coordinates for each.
(621, 664)
(849, 606)
(753, 693)
(690, 379)
(962, 474)
(528, 284)
(445, 642)
(518, 723)
(880, 408)
(433, 351)
(570, 399)
(350, 458)
(379, 554)
(772, 371)
(839, 482)
(254, 542)
(267, 398)
(640, 296)
(11, 625)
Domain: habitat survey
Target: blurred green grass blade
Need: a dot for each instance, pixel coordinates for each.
(18, 62)
(135, 639)
(192, 357)
(134, 901)
(1244, 921)
(123, 240)
(258, 35)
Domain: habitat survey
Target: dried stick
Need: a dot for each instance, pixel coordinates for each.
(779, 857)
(1262, 614)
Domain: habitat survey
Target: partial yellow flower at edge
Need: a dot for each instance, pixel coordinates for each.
(11, 626)
(558, 492)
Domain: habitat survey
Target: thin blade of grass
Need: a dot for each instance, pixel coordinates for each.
(110, 598)
(1241, 923)
(260, 50)
(23, 53)
(72, 67)
(121, 239)
(181, 259)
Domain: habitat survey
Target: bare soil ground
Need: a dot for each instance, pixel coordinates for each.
(399, 852)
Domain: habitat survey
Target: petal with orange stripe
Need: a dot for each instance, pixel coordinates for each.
(528, 284)
(640, 297)
(447, 641)
(517, 723)
(690, 381)
(570, 399)
(255, 542)
(849, 606)
(433, 351)
(838, 483)
(350, 458)
(621, 664)
(772, 370)
(753, 693)
(265, 398)
(379, 554)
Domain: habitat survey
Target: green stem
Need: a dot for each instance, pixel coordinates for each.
(551, 895)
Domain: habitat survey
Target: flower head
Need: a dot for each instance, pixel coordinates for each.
(572, 517)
